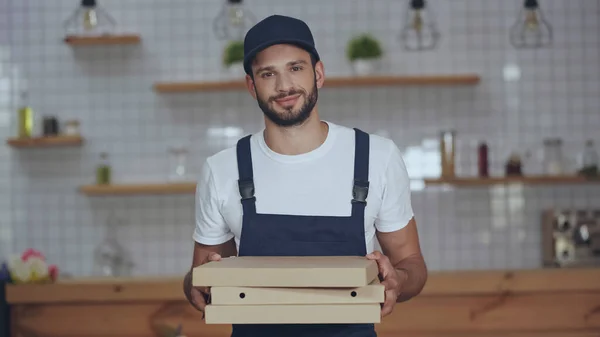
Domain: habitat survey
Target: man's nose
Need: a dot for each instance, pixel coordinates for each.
(284, 83)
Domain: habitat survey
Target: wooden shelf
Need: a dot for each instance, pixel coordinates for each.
(529, 180)
(139, 189)
(333, 82)
(102, 40)
(48, 141)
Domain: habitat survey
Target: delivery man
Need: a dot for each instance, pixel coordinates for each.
(304, 186)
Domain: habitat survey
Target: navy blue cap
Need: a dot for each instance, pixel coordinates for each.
(277, 29)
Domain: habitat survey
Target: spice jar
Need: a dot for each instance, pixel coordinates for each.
(72, 127)
(553, 156)
(513, 166)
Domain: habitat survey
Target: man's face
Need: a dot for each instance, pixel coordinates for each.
(286, 84)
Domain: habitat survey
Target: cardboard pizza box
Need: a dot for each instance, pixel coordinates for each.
(287, 272)
(372, 293)
(293, 314)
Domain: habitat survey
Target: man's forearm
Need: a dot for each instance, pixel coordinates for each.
(187, 284)
(414, 273)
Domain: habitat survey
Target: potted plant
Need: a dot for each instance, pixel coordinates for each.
(364, 51)
(233, 57)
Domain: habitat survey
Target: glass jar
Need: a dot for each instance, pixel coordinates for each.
(110, 257)
(178, 160)
(553, 157)
(72, 128)
(103, 170)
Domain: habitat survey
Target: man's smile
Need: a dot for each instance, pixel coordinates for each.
(288, 101)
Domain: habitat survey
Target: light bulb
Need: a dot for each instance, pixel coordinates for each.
(233, 21)
(531, 29)
(89, 19)
(420, 31)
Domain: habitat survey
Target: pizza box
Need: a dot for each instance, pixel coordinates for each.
(287, 272)
(372, 293)
(293, 314)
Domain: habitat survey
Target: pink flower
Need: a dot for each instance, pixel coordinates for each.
(53, 271)
(32, 253)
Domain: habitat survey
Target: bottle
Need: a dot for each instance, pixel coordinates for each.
(447, 151)
(103, 170)
(25, 117)
(483, 160)
(589, 160)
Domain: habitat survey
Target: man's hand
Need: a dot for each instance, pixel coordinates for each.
(199, 296)
(391, 278)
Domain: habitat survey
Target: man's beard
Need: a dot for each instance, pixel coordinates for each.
(290, 117)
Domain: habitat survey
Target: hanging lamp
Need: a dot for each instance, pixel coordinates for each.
(531, 30)
(420, 31)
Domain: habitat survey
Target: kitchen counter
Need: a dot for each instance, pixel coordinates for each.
(549, 303)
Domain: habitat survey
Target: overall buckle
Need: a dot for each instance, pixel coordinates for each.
(360, 191)
(246, 188)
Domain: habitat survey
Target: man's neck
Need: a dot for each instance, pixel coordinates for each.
(297, 139)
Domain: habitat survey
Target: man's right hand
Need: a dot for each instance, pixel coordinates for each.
(199, 296)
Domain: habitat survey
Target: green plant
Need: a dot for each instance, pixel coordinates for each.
(233, 53)
(363, 46)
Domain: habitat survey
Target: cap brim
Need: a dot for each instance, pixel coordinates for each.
(250, 56)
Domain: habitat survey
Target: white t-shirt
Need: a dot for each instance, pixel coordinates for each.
(314, 183)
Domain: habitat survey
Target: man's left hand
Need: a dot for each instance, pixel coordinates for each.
(391, 278)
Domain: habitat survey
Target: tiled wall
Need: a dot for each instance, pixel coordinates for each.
(524, 96)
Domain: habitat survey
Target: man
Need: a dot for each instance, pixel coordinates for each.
(304, 186)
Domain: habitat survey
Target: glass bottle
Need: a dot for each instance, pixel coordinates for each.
(178, 170)
(103, 170)
(25, 117)
(589, 159)
(447, 151)
(553, 157)
(110, 258)
(482, 160)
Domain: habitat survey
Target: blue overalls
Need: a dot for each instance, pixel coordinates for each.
(300, 235)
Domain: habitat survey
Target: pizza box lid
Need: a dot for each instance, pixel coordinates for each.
(287, 271)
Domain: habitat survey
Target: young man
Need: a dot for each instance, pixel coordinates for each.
(303, 186)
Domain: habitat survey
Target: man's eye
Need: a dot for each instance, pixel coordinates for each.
(266, 74)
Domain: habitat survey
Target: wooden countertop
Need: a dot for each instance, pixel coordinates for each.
(455, 283)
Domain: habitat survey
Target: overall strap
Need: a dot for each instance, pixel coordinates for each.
(360, 188)
(246, 176)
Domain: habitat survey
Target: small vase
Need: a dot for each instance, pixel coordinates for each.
(364, 67)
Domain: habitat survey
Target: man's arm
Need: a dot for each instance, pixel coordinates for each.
(397, 230)
(403, 250)
(211, 233)
(202, 252)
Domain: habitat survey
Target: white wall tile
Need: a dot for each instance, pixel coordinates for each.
(524, 96)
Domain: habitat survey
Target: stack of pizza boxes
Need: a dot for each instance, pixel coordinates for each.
(291, 290)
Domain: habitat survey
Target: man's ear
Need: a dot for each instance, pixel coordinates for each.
(319, 74)
(250, 86)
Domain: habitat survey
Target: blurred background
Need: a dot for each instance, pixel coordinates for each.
(128, 99)
(496, 109)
